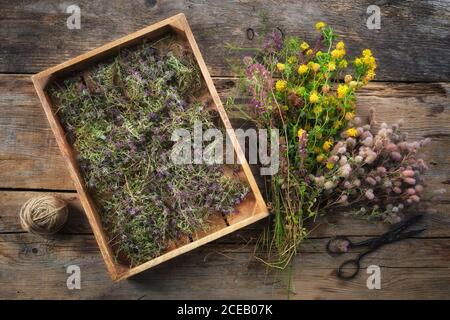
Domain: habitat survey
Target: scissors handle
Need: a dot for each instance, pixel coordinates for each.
(332, 246)
(349, 263)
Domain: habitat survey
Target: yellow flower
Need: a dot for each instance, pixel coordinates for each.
(314, 97)
(300, 133)
(304, 46)
(367, 60)
(292, 60)
(320, 25)
(302, 69)
(358, 62)
(281, 67)
(343, 64)
(331, 66)
(337, 54)
(330, 165)
(309, 52)
(349, 116)
(327, 145)
(351, 132)
(319, 53)
(320, 158)
(280, 85)
(353, 84)
(315, 67)
(370, 61)
(342, 90)
(340, 45)
(371, 74)
(367, 53)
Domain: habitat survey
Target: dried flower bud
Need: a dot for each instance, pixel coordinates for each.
(381, 171)
(369, 194)
(391, 147)
(396, 156)
(356, 121)
(320, 181)
(370, 157)
(408, 173)
(342, 150)
(387, 183)
(371, 181)
(410, 181)
(358, 159)
(368, 142)
(345, 170)
(350, 142)
(329, 185)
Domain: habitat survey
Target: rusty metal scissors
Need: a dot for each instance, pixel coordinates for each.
(340, 244)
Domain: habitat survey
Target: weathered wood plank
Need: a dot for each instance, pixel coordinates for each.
(437, 220)
(31, 268)
(411, 45)
(28, 149)
(29, 156)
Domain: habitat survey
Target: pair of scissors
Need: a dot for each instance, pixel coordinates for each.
(340, 244)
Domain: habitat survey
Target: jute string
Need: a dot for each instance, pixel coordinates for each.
(43, 215)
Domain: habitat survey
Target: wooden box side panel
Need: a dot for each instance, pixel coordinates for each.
(69, 157)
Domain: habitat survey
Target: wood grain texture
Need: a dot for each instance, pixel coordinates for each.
(29, 156)
(411, 44)
(218, 271)
(437, 220)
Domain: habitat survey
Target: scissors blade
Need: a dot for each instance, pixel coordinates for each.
(408, 234)
(399, 227)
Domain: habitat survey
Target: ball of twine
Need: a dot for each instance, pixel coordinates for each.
(43, 215)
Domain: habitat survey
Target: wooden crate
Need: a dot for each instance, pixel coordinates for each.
(250, 210)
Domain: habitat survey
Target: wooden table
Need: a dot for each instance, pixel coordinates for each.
(412, 84)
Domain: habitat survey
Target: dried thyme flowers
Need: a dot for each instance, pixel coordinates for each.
(119, 116)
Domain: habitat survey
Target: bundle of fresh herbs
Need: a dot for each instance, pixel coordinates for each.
(119, 116)
(328, 158)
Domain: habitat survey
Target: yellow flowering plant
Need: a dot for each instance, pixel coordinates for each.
(307, 91)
